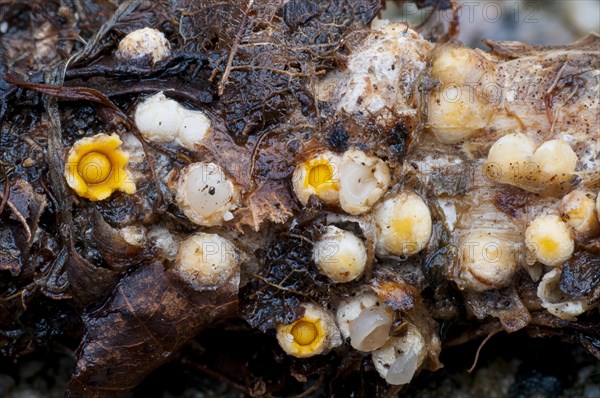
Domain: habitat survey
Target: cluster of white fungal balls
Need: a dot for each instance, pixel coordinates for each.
(459, 108)
(358, 184)
(366, 323)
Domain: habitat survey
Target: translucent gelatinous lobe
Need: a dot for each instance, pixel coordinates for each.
(371, 329)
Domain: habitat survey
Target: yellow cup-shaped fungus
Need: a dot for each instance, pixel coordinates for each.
(310, 335)
(318, 176)
(96, 167)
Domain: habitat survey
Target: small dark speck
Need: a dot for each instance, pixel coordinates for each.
(211, 191)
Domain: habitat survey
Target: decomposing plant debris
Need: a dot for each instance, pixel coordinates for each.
(331, 185)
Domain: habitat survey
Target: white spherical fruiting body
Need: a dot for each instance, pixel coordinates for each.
(403, 224)
(400, 358)
(549, 238)
(488, 261)
(509, 160)
(340, 255)
(146, 42)
(161, 119)
(364, 179)
(578, 209)
(556, 161)
(318, 176)
(463, 103)
(313, 334)
(513, 159)
(206, 195)
(206, 261)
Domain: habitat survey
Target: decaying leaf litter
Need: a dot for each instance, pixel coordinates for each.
(265, 81)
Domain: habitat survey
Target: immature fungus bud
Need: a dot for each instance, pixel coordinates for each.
(96, 167)
(578, 209)
(206, 195)
(206, 261)
(363, 181)
(463, 102)
(313, 334)
(403, 224)
(161, 119)
(158, 118)
(340, 255)
(194, 128)
(318, 176)
(508, 160)
(146, 42)
(555, 160)
(549, 238)
(400, 358)
(487, 261)
(513, 159)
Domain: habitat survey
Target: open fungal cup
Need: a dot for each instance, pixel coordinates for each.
(370, 330)
(318, 176)
(350, 308)
(206, 195)
(313, 334)
(96, 167)
(403, 223)
(364, 320)
(549, 238)
(146, 42)
(364, 179)
(464, 101)
(206, 261)
(558, 303)
(401, 357)
(340, 255)
(161, 119)
(355, 181)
